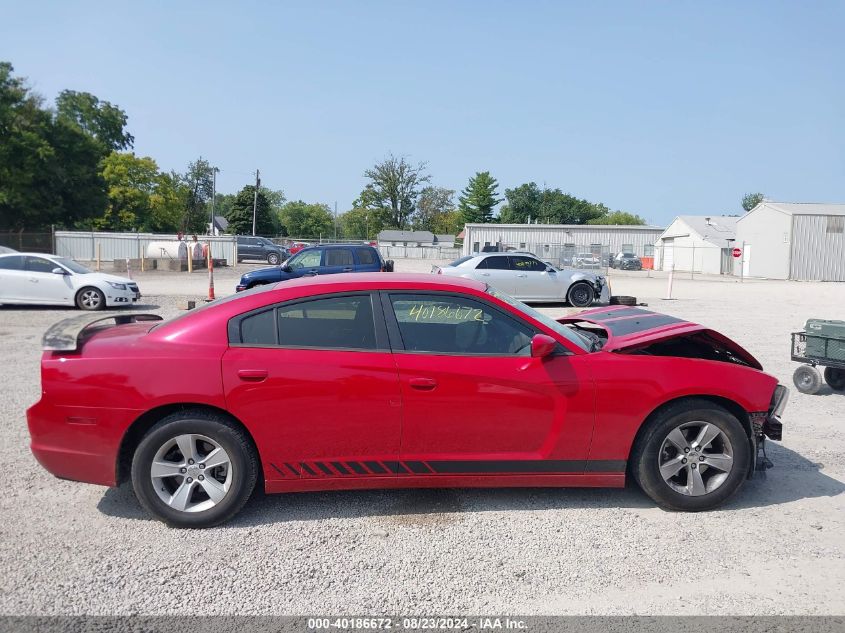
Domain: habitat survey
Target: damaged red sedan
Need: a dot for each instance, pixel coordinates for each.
(401, 381)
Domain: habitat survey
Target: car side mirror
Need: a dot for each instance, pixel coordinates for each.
(286, 268)
(542, 345)
(59, 271)
(549, 269)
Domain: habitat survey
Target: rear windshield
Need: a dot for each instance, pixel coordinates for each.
(462, 260)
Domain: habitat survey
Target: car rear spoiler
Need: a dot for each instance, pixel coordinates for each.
(66, 335)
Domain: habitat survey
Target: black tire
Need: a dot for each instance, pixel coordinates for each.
(388, 266)
(835, 377)
(623, 300)
(581, 295)
(274, 259)
(807, 379)
(645, 466)
(91, 299)
(238, 446)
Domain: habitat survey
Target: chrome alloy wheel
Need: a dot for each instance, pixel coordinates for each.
(695, 458)
(90, 299)
(191, 473)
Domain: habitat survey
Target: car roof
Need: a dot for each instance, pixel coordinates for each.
(370, 281)
(48, 255)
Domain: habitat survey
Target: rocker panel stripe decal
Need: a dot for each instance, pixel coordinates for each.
(450, 467)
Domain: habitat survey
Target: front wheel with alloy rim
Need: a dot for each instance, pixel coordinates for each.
(194, 469)
(581, 295)
(691, 456)
(90, 298)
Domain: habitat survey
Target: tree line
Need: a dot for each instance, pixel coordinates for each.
(70, 165)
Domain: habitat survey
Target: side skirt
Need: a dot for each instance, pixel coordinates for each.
(580, 480)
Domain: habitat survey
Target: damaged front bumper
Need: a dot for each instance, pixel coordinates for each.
(767, 424)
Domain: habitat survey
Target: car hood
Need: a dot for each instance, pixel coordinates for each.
(267, 272)
(629, 327)
(106, 277)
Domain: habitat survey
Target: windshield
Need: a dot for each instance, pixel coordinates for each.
(549, 322)
(72, 266)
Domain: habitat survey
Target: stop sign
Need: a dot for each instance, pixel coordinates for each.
(737, 252)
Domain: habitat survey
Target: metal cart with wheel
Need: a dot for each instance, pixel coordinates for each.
(821, 344)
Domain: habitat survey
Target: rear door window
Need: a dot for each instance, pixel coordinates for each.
(339, 257)
(331, 323)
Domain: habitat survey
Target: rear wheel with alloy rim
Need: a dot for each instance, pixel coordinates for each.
(90, 298)
(273, 259)
(194, 469)
(692, 456)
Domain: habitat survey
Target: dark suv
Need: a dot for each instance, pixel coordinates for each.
(262, 249)
(626, 261)
(320, 260)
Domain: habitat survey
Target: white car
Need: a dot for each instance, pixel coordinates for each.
(525, 277)
(36, 278)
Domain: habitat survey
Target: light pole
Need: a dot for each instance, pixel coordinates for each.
(214, 171)
(255, 200)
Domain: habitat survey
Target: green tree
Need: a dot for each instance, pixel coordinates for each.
(240, 216)
(394, 188)
(301, 219)
(199, 182)
(433, 204)
(524, 203)
(167, 203)
(751, 200)
(49, 165)
(478, 198)
(617, 217)
(552, 206)
(359, 223)
(131, 182)
(99, 119)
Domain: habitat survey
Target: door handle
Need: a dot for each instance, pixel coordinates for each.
(423, 384)
(252, 375)
(348, 269)
(522, 275)
(484, 274)
(33, 280)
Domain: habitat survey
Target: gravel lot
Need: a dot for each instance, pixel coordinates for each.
(776, 548)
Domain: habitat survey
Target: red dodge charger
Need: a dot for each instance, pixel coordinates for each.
(406, 381)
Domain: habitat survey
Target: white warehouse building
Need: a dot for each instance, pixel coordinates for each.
(560, 242)
(793, 240)
(697, 243)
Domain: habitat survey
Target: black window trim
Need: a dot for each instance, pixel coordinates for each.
(398, 346)
(382, 340)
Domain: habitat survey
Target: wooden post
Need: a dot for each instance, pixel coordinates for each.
(98, 257)
(190, 260)
(141, 254)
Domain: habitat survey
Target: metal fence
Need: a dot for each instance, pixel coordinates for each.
(104, 246)
(27, 242)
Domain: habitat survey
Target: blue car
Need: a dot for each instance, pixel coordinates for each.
(319, 260)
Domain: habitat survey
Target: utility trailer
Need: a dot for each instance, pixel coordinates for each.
(821, 344)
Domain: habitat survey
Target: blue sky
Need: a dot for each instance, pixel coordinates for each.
(658, 108)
